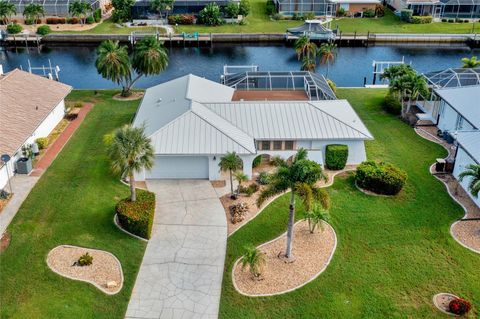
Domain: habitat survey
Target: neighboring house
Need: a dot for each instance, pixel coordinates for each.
(452, 9)
(193, 122)
(57, 8)
(458, 108)
(30, 107)
(142, 8)
(468, 152)
(327, 8)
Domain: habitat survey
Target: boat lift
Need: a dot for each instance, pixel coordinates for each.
(49, 71)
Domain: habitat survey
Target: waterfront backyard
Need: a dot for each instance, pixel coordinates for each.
(393, 254)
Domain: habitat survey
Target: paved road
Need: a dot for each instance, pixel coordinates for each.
(181, 273)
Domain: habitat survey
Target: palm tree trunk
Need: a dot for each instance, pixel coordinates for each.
(133, 193)
(291, 220)
(231, 182)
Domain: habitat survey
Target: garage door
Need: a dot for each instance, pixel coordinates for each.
(179, 167)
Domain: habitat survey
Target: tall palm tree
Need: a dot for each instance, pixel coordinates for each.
(410, 85)
(240, 177)
(469, 63)
(231, 162)
(149, 58)
(308, 64)
(130, 151)
(33, 12)
(472, 171)
(299, 176)
(305, 48)
(7, 10)
(80, 10)
(328, 53)
(254, 259)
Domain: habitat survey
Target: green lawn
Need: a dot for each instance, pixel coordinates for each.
(393, 254)
(109, 27)
(73, 203)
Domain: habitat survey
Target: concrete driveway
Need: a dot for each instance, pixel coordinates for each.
(181, 272)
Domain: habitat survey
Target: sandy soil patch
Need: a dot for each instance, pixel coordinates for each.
(442, 300)
(4, 202)
(312, 254)
(5, 241)
(134, 96)
(105, 267)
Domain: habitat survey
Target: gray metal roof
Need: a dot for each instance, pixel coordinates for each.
(465, 100)
(470, 142)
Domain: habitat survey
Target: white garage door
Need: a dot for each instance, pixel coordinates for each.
(179, 167)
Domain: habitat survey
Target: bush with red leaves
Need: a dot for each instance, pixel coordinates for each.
(459, 306)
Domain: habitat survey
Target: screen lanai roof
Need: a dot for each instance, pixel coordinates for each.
(453, 77)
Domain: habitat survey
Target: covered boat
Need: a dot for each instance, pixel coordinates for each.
(314, 29)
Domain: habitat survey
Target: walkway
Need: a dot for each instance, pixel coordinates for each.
(182, 269)
(23, 184)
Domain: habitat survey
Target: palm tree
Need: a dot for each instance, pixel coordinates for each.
(409, 85)
(328, 52)
(469, 63)
(149, 58)
(240, 177)
(308, 64)
(315, 217)
(472, 171)
(7, 10)
(305, 48)
(130, 151)
(79, 9)
(33, 12)
(396, 71)
(299, 176)
(254, 259)
(231, 163)
(162, 5)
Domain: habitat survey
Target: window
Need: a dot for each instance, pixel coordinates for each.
(277, 145)
(289, 145)
(265, 145)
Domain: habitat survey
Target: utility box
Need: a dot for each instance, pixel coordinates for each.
(24, 165)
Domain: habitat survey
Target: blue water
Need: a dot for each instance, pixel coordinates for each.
(349, 69)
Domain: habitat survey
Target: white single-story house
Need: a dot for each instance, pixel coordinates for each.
(193, 122)
(458, 108)
(468, 152)
(31, 106)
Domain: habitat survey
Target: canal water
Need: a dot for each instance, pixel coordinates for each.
(352, 64)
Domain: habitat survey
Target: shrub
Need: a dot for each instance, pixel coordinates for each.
(406, 15)
(137, 217)
(97, 15)
(78, 104)
(244, 8)
(270, 9)
(336, 156)
(72, 20)
(276, 161)
(56, 20)
(42, 142)
(421, 19)
(263, 178)
(277, 16)
(332, 85)
(14, 28)
(379, 10)
(89, 20)
(380, 178)
(210, 15)
(43, 30)
(32, 21)
(392, 105)
(181, 19)
(368, 13)
(251, 189)
(459, 306)
(231, 10)
(85, 260)
(340, 12)
(308, 16)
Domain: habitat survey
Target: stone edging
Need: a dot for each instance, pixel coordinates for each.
(90, 281)
(430, 169)
(439, 308)
(294, 288)
(117, 223)
(330, 183)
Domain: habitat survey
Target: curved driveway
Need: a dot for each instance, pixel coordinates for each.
(182, 269)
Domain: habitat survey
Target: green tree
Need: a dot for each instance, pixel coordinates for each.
(316, 216)
(473, 172)
(114, 63)
(328, 53)
(80, 10)
(14, 29)
(469, 63)
(308, 64)
(231, 10)
(254, 259)
(7, 10)
(231, 162)
(162, 5)
(210, 15)
(130, 151)
(33, 12)
(244, 8)
(300, 177)
(122, 10)
(240, 177)
(305, 48)
(410, 86)
(396, 71)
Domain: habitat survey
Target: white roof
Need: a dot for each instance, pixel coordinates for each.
(470, 142)
(465, 100)
(191, 115)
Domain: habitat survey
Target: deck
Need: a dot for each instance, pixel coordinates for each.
(269, 95)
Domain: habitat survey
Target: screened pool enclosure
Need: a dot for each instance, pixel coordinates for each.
(51, 7)
(453, 77)
(318, 7)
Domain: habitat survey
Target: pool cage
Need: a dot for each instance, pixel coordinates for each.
(51, 7)
(461, 9)
(318, 7)
(453, 77)
(315, 85)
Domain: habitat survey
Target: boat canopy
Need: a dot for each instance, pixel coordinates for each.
(314, 29)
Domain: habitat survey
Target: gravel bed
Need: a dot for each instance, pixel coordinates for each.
(312, 254)
(105, 267)
(442, 300)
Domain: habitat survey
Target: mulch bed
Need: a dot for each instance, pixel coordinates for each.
(134, 96)
(442, 300)
(312, 253)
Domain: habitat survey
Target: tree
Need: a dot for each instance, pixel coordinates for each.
(122, 10)
(299, 176)
(305, 48)
(472, 171)
(14, 29)
(327, 52)
(240, 177)
(130, 151)
(469, 63)
(114, 63)
(210, 15)
(396, 71)
(79, 9)
(7, 10)
(244, 8)
(254, 259)
(231, 10)
(231, 163)
(315, 217)
(410, 86)
(308, 64)
(162, 5)
(33, 12)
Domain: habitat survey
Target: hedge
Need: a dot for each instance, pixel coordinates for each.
(137, 217)
(336, 156)
(421, 19)
(184, 19)
(56, 20)
(380, 178)
(392, 105)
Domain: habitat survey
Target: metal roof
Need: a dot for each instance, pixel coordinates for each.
(470, 142)
(464, 100)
